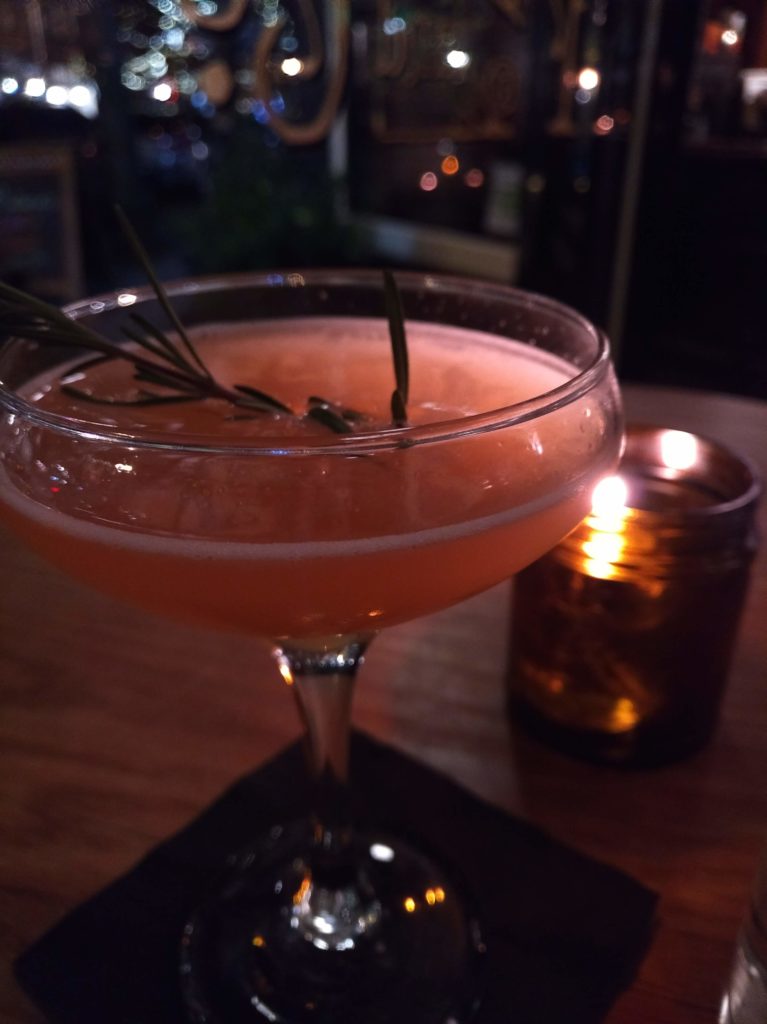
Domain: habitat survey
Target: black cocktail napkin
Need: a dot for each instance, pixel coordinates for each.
(564, 933)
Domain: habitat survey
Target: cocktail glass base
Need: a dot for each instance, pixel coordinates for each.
(390, 938)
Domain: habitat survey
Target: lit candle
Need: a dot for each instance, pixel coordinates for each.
(622, 635)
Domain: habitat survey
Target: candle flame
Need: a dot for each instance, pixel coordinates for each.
(606, 541)
(678, 449)
(608, 499)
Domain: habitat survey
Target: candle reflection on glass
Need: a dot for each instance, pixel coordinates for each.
(622, 636)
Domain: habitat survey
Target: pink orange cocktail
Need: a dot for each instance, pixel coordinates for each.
(324, 536)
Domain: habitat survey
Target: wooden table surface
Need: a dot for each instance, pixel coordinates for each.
(117, 728)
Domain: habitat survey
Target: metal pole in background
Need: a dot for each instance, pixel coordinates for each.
(624, 245)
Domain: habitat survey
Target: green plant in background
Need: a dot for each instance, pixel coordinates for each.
(265, 207)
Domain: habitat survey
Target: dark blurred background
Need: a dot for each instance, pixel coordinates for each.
(612, 153)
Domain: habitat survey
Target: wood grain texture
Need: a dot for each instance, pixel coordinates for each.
(116, 728)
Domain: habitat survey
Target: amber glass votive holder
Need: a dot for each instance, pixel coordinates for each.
(622, 636)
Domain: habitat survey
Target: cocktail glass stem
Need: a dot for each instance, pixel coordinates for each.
(323, 921)
(334, 905)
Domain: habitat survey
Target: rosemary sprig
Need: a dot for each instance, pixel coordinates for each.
(175, 366)
(336, 417)
(162, 297)
(25, 316)
(396, 318)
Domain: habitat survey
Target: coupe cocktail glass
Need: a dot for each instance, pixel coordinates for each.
(316, 541)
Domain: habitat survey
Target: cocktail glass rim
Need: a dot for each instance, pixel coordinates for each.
(386, 438)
